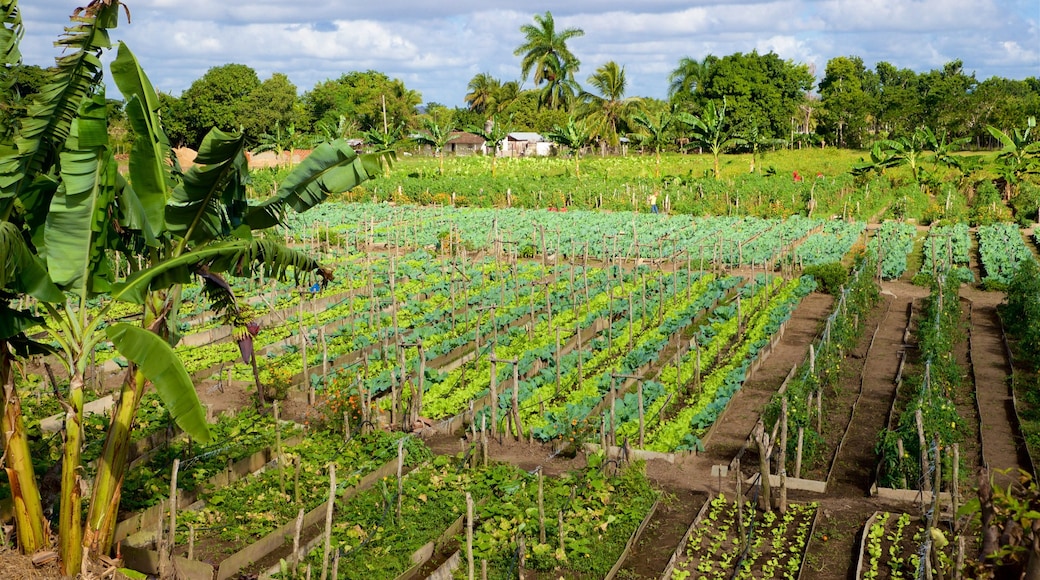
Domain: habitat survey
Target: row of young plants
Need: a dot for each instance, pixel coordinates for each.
(238, 514)
(598, 513)
(1001, 249)
(633, 343)
(890, 548)
(745, 545)
(450, 393)
(767, 310)
(829, 245)
(925, 401)
(575, 234)
(1021, 319)
(444, 319)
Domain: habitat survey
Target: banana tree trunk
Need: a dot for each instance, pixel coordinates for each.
(25, 495)
(108, 483)
(70, 526)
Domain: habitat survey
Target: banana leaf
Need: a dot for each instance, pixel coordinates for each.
(160, 365)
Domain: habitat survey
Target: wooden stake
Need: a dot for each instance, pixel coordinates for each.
(278, 450)
(469, 534)
(296, 543)
(400, 478)
(328, 522)
(173, 507)
(541, 508)
(925, 484)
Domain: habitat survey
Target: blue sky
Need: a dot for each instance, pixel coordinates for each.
(437, 47)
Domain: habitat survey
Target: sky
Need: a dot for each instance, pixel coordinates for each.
(437, 47)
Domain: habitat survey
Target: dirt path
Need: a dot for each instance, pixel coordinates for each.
(662, 535)
(854, 466)
(1002, 445)
(747, 404)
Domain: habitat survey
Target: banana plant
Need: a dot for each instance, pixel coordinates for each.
(63, 198)
(436, 136)
(711, 131)
(493, 133)
(575, 136)
(1018, 157)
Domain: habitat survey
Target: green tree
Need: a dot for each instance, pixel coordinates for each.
(272, 103)
(215, 100)
(371, 99)
(575, 136)
(607, 113)
(545, 53)
(898, 100)
(761, 89)
(846, 104)
(482, 92)
(1019, 157)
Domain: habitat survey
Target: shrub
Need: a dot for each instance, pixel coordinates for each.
(830, 277)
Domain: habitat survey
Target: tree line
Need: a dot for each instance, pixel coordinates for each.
(777, 101)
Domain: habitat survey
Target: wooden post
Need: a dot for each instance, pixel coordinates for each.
(191, 541)
(278, 450)
(516, 400)
(639, 395)
(296, 543)
(740, 500)
(296, 479)
(764, 501)
(955, 485)
(173, 508)
(328, 522)
(558, 361)
(494, 396)
(400, 478)
(782, 454)
(541, 508)
(798, 452)
(469, 534)
(925, 483)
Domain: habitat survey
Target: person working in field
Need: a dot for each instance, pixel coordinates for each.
(653, 202)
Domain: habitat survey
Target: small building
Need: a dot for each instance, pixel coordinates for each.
(526, 144)
(466, 144)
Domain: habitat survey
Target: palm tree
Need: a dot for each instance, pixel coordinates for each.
(483, 91)
(493, 133)
(711, 131)
(436, 136)
(654, 133)
(689, 76)
(575, 136)
(560, 89)
(545, 53)
(607, 113)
